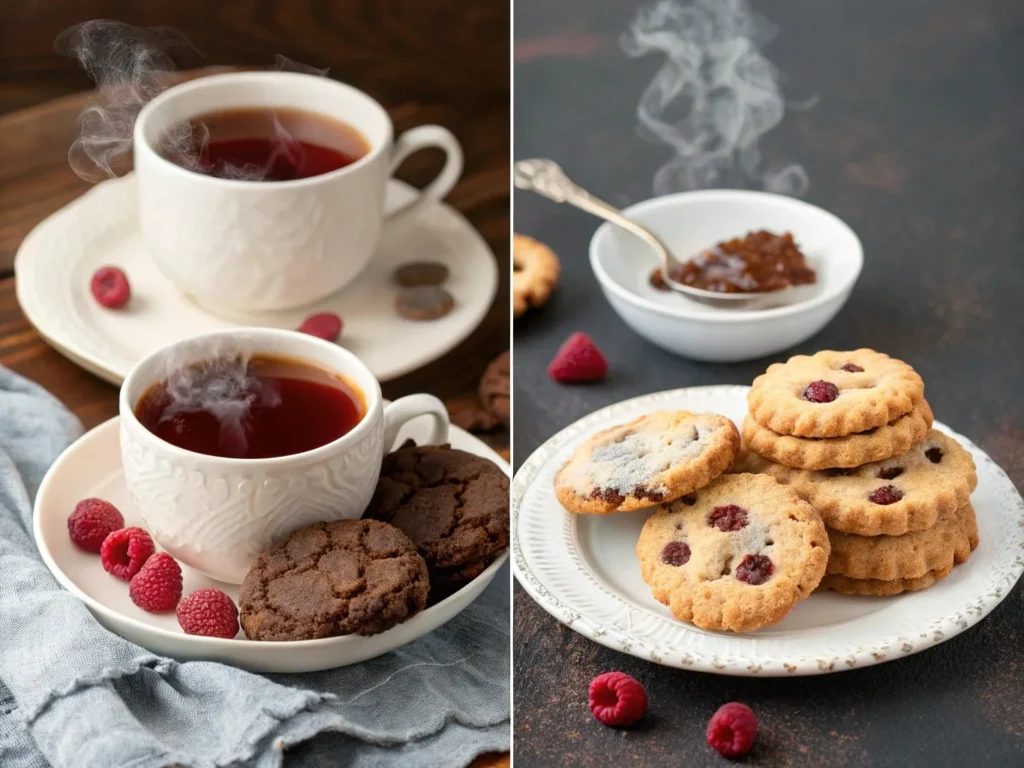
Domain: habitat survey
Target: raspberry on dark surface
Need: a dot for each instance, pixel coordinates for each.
(852, 368)
(157, 586)
(887, 494)
(755, 569)
(934, 455)
(323, 325)
(617, 699)
(728, 518)
(125, 551)
(208, 612)
(732, 730)
(92, 521)
(676, 553)
(821, 392)
(109, 286)
(578, 360)
(890, 473)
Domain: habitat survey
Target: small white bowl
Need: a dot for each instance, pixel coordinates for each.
(690, 222)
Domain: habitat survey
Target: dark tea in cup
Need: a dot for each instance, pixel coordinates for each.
(261, 144)
(256, 408)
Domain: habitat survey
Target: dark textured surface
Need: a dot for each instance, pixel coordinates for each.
(915, 142)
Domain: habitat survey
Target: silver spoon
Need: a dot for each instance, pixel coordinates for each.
(546, 178)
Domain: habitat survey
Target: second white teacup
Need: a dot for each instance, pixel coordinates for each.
(218, 514)
(252, 246)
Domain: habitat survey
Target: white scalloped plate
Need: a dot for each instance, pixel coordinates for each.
(583, 571)
(92, 467)
(56, 260)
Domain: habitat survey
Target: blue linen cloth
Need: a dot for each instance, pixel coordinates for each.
(73, 695)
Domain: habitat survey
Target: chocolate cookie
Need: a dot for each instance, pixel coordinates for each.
(494, 389)
(346, 577)
(452, 504)
(424, 302)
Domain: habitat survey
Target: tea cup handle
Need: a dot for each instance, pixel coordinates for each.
(404, 409)
(419, 138)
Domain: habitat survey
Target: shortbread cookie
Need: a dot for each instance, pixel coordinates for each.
(736, 555)
(910, 556)
(903, 493)
(655, 458)
(879, 588)
(831, 394)
(535, 273)
(848, 451)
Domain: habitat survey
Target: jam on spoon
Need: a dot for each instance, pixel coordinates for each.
(760, 262)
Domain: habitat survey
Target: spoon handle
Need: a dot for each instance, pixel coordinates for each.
(546, 178)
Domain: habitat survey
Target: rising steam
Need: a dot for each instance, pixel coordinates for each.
(131, 65)
(715, 96)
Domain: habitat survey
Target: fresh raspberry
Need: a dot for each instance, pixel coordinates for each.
(578, 359)
(676, 554)
(208, 612)
(887, 494)
(728, 518)
(755, 569)
(109, 286)
(732, 729)
(92, 521)
(821, 392)
(617, 699)
(124, 552)
(323, 325)
(157, 587)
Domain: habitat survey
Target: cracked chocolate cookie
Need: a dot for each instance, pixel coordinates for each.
(655, 458)
(452, 504)
(346, 577)
(736, 555)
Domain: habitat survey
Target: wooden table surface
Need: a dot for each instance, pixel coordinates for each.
(915, 142)
(426, 63)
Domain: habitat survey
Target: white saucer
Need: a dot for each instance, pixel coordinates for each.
(92, 467)
(583, 570)
(56, 260)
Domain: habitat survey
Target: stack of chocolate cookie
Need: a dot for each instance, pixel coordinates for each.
(722, 551)
(851, 433)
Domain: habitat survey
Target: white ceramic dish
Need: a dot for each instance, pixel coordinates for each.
(56, 260)
(690, 222)
(583, 570)
(92, 467)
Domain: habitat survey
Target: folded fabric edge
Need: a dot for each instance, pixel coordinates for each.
(312, 723)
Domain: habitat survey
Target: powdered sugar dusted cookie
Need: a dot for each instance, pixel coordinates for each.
(848, 451)
(655, 458)
(879, 588)
(904, 493)
(912, 555)
(831, 394)
(736, 555)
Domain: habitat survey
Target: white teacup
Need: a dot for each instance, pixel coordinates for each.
(250, 246)
(218, 514)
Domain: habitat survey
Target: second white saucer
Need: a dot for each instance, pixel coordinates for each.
(57, 259)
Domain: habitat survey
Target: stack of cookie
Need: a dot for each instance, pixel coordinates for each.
(722, 551)
(851, 433)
